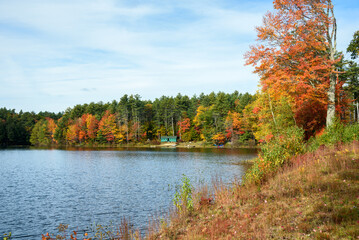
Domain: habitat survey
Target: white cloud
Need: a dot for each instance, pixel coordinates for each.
(53, 50)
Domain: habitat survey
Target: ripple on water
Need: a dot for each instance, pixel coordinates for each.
(42, 188)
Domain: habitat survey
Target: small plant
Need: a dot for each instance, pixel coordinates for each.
(123, 231)
(183, 197)
(7, 236)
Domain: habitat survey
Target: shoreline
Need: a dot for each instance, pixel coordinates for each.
(182, 145)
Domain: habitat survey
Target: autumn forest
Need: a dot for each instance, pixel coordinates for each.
(131, 119)
(305, 82)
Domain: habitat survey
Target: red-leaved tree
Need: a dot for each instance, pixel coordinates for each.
(296, 56)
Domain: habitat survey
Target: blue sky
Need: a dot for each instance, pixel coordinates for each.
(59, 53)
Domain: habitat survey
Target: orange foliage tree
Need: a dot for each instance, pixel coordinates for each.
(107, 126)
(81, 122)
(72, 134)
(183, 129)
(296, 57)
(184, 125)
(219, 139)
(234, 125)
(51, 127)
(92, 126)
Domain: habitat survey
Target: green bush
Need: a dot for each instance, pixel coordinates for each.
(183, 196)
(7, 236)
(275, 153)
(336, 133)
(245, 137)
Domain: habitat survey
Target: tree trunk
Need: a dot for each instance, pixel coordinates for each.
(139, 127)
(331, 102)
(271, 109)
(332, 40)
(127, 127)
(173, 128)
(166, 121)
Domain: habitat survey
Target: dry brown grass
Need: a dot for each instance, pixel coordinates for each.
(316, 196)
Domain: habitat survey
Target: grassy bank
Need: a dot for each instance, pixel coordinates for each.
(316, 196)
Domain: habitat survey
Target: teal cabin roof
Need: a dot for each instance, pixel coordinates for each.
(168, 138)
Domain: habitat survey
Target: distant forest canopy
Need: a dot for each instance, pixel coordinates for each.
(15, 128)
(215, 117)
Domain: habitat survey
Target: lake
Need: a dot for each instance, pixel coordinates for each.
(41, 188)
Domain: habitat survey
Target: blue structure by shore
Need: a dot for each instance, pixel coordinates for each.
(170, 139)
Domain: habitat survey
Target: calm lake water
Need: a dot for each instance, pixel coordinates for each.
(41, 188)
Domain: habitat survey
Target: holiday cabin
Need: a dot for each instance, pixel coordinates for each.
(168, 139)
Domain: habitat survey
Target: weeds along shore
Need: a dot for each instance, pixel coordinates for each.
(315, 196)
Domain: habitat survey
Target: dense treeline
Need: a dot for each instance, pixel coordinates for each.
(212, 118)
(15, 128)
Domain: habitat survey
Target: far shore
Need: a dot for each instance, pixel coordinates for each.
(198, 145)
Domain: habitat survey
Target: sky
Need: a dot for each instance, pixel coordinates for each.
(59, 53)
